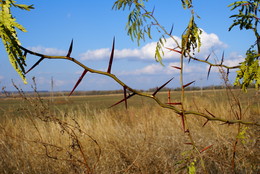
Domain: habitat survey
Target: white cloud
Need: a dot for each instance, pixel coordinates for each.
(209, 42)
(188, 68)
(153, 69)
(144, 53)
(150, 69)
(233, 59)
(1, 77)
(98, 54)
(48, 51)
(147, 70)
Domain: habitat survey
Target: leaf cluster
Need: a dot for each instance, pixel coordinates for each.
(137, 27)
(8, 34)
(191, 38)
(247, 16)
(249, 71)
(140, 22)
(186, 4)
(159, 53)
(242, 135)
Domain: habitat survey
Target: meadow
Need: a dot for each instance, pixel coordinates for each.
(81, 134)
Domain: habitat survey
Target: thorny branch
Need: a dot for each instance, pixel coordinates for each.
(178, 47)
(178, 111)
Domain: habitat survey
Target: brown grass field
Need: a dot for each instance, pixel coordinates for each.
(81, 135)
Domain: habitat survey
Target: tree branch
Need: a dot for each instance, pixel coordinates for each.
(151, 96)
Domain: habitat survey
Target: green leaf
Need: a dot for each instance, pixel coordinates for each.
(192, 168)
(138, 27)
(8, 34)
(249, 71)
(191, 38)
(186, 4)
(242, 135)
(247, 15)
(23, 7)
(159, 53)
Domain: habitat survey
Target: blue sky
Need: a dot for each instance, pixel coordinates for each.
(93, 24)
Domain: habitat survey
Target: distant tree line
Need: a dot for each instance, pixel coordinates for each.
(46, 93)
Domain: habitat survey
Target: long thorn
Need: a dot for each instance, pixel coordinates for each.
(188, 84)
(153, 11)
(79, 80)
(183, 122)
(111, 57)
(131, 95)
(35, 65)
(210, 113)
(25, 53)
(206, 148)
(176, 67)
(171, 30)
(222, 59)
(209, 72)
(205, 123)
(70, 49)
(207, 57)
(178, 103)
(227, 72)
(177, 51)
(125, 97)
(158, 89)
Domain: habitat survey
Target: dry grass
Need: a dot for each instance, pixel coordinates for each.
(146, 139)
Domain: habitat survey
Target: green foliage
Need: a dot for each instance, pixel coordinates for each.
(8, 26)
(187, 163)
(192, 168)
(242, 134)
(158, 50)
(247, 16)
(186, 3)
(139, 24)
(136, 26)
(191, 38)
(249, 71)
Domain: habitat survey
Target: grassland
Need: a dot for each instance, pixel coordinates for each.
(80, 134)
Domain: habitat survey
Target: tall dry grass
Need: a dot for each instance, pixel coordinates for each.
(146, 139)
